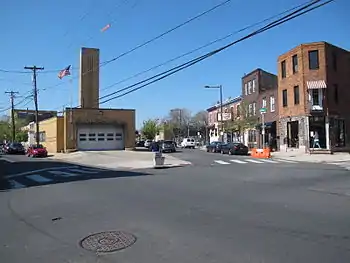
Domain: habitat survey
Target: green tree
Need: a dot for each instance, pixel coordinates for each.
(5, 131)
(21, 136)
(150, 129)
(243, 121)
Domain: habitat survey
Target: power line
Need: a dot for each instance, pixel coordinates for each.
(183, 66)
(201, 47)
(102, 64)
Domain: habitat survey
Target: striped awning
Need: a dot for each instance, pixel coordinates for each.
(316, 84)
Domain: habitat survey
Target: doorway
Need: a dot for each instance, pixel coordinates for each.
(293, 134)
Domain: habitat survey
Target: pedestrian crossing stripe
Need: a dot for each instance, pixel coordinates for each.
(257, 161)
(38, 178)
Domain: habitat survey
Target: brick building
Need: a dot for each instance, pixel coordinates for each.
(230, 112)
(259, 90)
(313, 87)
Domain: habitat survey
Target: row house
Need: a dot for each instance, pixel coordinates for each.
(313, 92)
(230, 112)
(259, 96)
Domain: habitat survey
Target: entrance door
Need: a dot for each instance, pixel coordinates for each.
(293, 134)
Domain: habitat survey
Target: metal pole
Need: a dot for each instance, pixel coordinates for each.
(263, 129)
(221, 116)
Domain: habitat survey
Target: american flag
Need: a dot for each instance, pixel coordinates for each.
(64, 72)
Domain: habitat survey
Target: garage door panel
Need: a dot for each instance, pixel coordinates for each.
(100, 138)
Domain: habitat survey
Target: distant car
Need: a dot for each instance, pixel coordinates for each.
(168, 146)
(215, 147)
(140, 144)
(188, 143)
(37, 151)
(14, 148)
(148, 143)
(234, 148)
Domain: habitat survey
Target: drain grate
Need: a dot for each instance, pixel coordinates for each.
(109, 241)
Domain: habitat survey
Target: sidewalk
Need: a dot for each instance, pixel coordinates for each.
(117, 159)
(312, 158)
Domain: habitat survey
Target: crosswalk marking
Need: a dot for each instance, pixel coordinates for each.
(82, 171)
(221, 162)
(286, 161)
(16, 185)
(237, 161)
(63, 174)
(269, 161)
(39, 178)
(253, 161)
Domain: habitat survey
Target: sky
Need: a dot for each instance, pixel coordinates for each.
(50, 35)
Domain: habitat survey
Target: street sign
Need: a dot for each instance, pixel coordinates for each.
(263, 110)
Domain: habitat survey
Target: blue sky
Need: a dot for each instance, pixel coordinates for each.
(50, 35)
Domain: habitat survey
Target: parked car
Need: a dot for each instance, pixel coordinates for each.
(168, 146)
(148, 143)
(14, 148)
(234, 148)
(36, 151)
(214, 147)
(188, 143)
(140, 144)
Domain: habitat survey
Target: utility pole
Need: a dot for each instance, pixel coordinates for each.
(35, 69)
(12, 98)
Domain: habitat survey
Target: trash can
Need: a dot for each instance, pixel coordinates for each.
(158, 159)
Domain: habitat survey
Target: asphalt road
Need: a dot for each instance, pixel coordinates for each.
(207, 212)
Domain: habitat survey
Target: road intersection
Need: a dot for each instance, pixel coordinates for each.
(238, 212)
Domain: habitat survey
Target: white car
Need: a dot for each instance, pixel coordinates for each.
(148, 143)
(188, 143)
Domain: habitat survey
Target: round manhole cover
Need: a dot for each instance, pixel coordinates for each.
(108, 241)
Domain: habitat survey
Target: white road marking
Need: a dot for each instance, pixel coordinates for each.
(221, 162)
(8, 160)
(38, 178)
(237, 161)
(286, 161)
(39, 171)
(16, 185)
(268, 161)
(82, 171)
(63, 174)
(253, 161)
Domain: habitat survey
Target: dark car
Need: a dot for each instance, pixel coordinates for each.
(215, 147)
(15, 148)
(37, 151)
(168, 146)
(140, 144)
(234, 148)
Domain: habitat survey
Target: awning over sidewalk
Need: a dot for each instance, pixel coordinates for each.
(316, 84)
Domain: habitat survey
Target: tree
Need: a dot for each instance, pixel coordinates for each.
(243, 121)
(5, 131)
(200, 119)
(150, 129)
(179, 118)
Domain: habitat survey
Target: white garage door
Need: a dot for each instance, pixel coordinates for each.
(100, 137)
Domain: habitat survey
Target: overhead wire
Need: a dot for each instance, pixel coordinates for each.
(199, 48)
(192, 62)
(102, 64)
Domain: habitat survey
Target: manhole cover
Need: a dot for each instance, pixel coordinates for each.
(108, 241)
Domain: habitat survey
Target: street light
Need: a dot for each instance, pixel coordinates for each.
(221, 111)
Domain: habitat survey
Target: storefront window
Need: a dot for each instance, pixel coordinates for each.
(339, 133)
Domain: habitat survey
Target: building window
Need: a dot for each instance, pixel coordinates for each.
(253, 85)
(313, 59)
(284, 98)
(250, 107)
(315, 97)
(238, 110)
(251, 136)
(334, 60)
(336, 98)
(272, 104)
(254, 108)
(246, 89)
(296, 95)
(295, 63)
(264, 102)
(283, 69)
(118, 136)
(249, 87)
